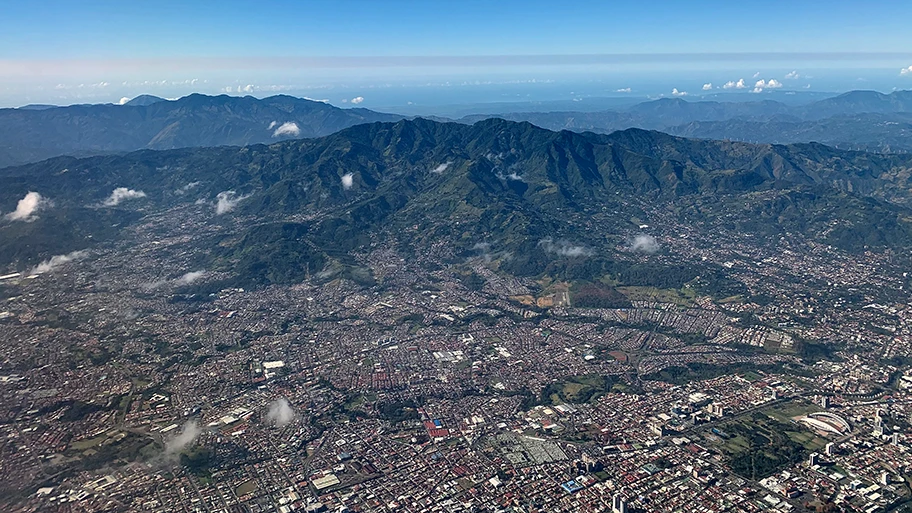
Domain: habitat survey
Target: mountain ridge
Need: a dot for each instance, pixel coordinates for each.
(153, 123)
(420, 183)
(861, 120)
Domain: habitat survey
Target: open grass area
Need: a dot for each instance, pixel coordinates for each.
(681, 297)
(751, 376)
(810, 441)
(89, 443)
(110, 447)
(245, 488)
(786, 412)
(571, 390)
(577, 389)
(757, 445)
(736, 444)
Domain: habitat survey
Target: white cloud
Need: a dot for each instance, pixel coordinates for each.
(280, 412)
(564, 248)
(707, 86)
(442, 167)
(757, 74)
(766, 84)
(906, 71)
(190, 277)
(185, 279)
(184, 439)
(675, 92)
(123, 101)
(347, 181)
(792, 75)
(187, 188)
(357, 100)
(27, 206)
(287, 128)
(226, 201)
(731, 84)
(245, 89)
(56, 261)
(121, 194)
(272, 125)
(623, 90)
(644, 244)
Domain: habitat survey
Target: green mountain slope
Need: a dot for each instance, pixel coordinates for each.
(539, 199)
(147, 122)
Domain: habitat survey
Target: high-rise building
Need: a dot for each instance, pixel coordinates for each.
(659, 429)
(717, 410)
(813, 459)
(830, 449)
(618, 504)
(591, 464)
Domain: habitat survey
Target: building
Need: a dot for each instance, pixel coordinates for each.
(325, 482)
(826, 422)
(659, 429)
(717, 410)
(618, 504)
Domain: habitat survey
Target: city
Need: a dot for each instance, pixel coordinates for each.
(426, 395)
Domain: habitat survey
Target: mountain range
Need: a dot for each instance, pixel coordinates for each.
(534, 198)
(859, 120)
(38, 132)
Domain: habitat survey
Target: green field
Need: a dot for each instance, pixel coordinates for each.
(577, 389)
(759, 444)
(245, 488)
(680, 297)
(810, 441)
(736, 444)
(751, 376)
(88, 443)
(786, 412)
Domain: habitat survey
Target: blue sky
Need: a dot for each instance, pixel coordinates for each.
(48, 49)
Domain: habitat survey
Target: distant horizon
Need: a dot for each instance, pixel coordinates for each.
(399, 53)
(620, 99)
(383, 88)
